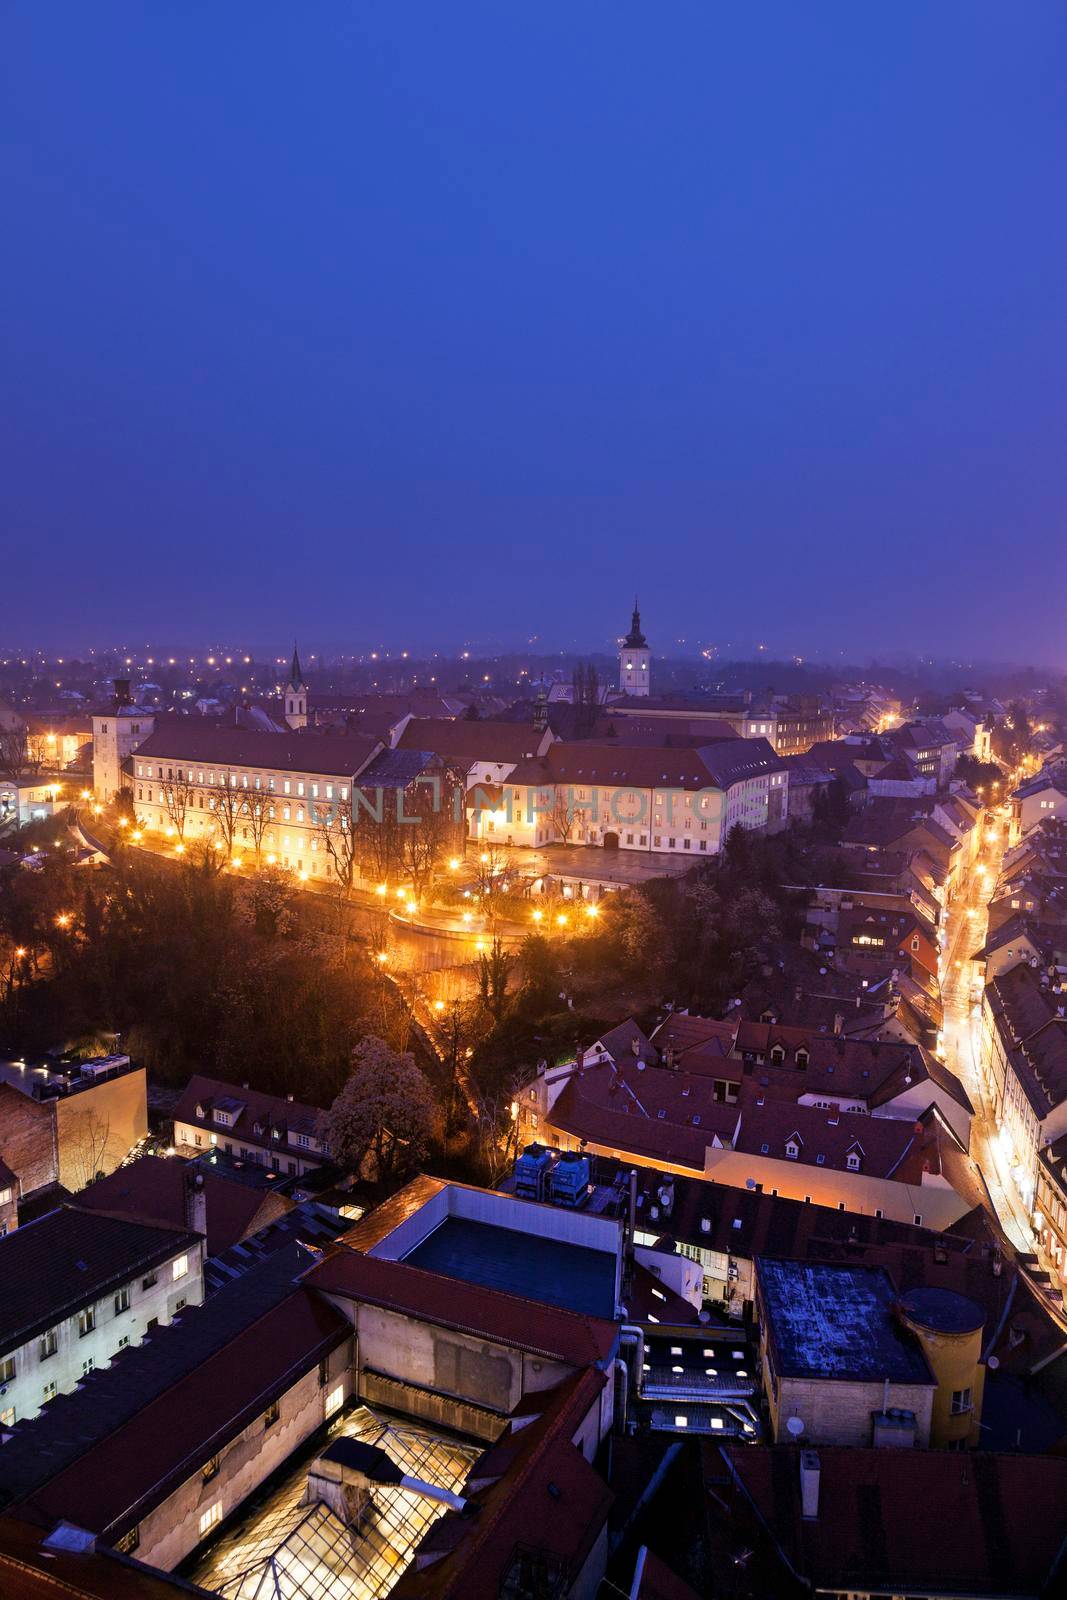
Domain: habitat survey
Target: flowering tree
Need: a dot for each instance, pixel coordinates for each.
(382, 1121)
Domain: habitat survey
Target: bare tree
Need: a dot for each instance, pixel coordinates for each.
(562, 813)
(377, 828)
(18, 760)
(337, 835)
(427, 832)
(84, 1148)
(227, 805)
(178, 796)
(257, 819)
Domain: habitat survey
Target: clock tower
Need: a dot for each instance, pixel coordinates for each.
(635, 659)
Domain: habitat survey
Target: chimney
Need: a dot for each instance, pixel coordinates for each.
(122, 692)
(196, 1203)
(839, 1021)
(809, 1484)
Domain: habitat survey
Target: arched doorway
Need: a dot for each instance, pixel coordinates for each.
(611, 841)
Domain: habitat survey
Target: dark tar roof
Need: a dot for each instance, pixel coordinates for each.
(837, 1322)
(942, 1310)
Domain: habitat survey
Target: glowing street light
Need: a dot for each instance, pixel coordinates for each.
(592, 911)
(453, 865)
(382, 890)
(538, 915)
(383, 957)
(63, 920)
(439, 1005)
(561, 920)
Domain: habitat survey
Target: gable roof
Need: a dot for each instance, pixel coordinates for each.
(248, 1106)
(187, 739)
(467, 1307)
(135, 1466)
(458, 739)
(52, 1267)
(154, 1189)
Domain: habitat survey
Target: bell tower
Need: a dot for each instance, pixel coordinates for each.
(635, 659)
(296, 695)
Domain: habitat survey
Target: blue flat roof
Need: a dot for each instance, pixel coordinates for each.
(570, 1276)
(827, 1320)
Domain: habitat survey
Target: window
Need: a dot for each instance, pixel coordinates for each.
(7, 1418)
(852, 1161)
(49, 1344)
(129, 1541)
(87, 1366)
(210, 1518)
(270, 1416)
(180, 1304)
(122, 1301)
(335, 1400)
(961, 1402)
(123, 1342)
(150, 1281)
(791, 1150)
(210, 1469)
(918, 1219)
(86, 1321)
(50, 1391)
(7, 1370)
(181, 1267)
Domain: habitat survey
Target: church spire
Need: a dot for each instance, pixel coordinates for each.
(296, 677)
(635, 639)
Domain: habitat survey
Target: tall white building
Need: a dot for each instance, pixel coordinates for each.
(635, 659)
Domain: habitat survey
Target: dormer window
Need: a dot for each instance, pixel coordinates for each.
(222, 1118)
(257, 1128)
(792, 1149)
(199, 1110)
(802, 1057)
(852, 1161)
(777, 1054)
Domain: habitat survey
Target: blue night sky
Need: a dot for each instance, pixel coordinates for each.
(418, 322)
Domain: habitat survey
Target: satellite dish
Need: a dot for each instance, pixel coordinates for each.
(750, 1183)
(795, 1426)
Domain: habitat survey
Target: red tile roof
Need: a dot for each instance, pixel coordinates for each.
(188, 740)
(912, 1521)
(469, 1308)
(460, 740)
(269, 1110)
(619, 1110)
(154, 1190)
(549, 1502)
(28, 1572)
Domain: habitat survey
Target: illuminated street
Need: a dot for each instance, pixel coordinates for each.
(965, 926)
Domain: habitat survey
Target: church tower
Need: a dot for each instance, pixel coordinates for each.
(296, 696)
(635, 659)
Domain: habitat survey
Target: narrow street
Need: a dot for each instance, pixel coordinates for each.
(965, 925)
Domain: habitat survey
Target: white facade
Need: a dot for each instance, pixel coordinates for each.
(635, 660)
(55, 1362)
(116, 735)
(673, 821)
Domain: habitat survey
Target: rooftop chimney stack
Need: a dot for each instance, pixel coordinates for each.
(809, 1484)
(196, 1203)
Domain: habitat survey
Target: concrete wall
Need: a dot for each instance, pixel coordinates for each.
(97, 1127)
(172, 1530)
(838, 1412)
